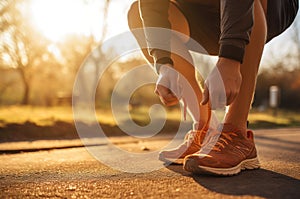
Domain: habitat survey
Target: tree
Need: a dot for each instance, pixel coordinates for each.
(21, 47)
(95, 56)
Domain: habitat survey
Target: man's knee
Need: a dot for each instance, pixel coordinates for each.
(133, 18)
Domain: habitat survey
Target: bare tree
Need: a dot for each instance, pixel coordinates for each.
(98, 56)
(21, 46)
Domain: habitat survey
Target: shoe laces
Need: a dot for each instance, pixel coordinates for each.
(219, 140)
(189, 137)
(224, 139)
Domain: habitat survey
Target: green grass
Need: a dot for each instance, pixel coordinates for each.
(267, 119)
(49, 115)
(39, 115)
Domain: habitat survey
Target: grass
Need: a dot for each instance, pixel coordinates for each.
(49, 115)
(267, 119)
(23, 123)
(39, 115)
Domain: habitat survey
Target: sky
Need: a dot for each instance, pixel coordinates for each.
(55, 22)
(57, 18)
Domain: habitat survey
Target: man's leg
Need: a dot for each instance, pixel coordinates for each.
(238, 111)
(192, 95)
(233, 149)
(200, 114)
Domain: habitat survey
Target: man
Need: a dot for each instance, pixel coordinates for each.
(234, 30)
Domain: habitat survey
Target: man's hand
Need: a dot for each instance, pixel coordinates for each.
(167, 86)
(223, 84)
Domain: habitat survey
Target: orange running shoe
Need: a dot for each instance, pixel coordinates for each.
(224, 153)
(192, 144)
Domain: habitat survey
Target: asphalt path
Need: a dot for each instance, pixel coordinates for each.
(66, 169)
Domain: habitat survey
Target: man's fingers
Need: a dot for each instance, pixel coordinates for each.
(161, 90)
(166, 96)
(205, 96)
(164, 92)
(170, 102)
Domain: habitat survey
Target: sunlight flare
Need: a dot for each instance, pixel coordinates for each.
(58, 18)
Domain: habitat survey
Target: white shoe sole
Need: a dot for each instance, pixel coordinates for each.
(192, 166)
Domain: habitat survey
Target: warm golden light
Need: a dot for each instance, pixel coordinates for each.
(58, 18)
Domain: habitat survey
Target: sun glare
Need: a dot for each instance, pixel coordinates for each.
(58, 18)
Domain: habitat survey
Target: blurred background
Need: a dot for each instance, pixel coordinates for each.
(44, 42)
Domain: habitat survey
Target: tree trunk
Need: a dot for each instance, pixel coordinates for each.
(26, 85)
(25, 100)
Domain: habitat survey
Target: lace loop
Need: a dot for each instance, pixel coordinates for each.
(224, 139)
(218, 140)
(189, 137)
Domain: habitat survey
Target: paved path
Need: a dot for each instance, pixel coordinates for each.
(69, 171)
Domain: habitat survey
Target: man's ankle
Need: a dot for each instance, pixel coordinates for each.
(231, 127)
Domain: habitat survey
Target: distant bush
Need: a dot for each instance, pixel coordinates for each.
(287, 80)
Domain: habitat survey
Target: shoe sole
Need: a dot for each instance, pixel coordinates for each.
(171, 160)
(192, 166)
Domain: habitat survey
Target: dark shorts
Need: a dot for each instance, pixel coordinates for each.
(204, 20)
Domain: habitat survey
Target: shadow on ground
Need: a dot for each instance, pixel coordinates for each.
(61, 130)
(261, 182)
